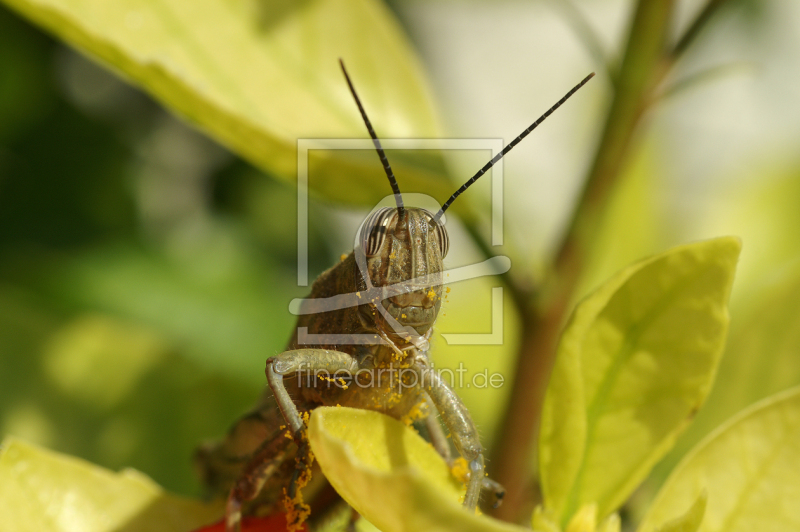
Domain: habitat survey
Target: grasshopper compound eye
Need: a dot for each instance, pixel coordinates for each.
(441, 235)
(373, 232)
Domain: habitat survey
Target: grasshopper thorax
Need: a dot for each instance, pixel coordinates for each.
(402, 252)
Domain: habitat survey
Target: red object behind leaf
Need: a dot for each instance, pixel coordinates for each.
(271, 523)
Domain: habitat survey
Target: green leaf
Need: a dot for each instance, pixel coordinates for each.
(691, 520)
(542, 520)
(257, 76)
(99, 360)
(211, 301)
(389, 474)
(42, 490)
(760, 358)
(748, 467)
(635, 362)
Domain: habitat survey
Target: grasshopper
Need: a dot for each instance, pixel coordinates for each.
(391, 285)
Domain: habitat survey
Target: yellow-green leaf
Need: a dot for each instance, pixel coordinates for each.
(635, 362)
(584, 520)
(259, 75)
(691, 520)
(542, 520)
(750, 469)
(42, 490)
(390, 475)
(761, 357)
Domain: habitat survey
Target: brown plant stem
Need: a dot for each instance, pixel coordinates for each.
(544, 313)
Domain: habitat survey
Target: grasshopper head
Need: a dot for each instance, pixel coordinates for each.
(405, 248)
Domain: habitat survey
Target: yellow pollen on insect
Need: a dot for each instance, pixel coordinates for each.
(431, 293)
(392, 255)
(342, 257)
(416, 413)
(460, 469)
(358, 295)
(297, 511)
(447, 290)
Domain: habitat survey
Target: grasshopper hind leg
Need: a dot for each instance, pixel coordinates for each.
(251, 465)
(267, 464)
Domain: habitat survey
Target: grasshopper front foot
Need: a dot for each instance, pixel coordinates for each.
(481, 488)
(492, 493)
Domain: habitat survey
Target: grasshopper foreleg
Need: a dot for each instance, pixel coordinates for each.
(437, 436)
(492, 493)
(312, 361)
(456, 418)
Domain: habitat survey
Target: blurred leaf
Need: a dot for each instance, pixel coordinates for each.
(218, 300)
(584, 520)
(612, 523)
(42, 490)
(390, 475)
(635, 362)
(691, 520)
(151, 419)
(763, 212)
(748, 467)
(259, 75)
(760, 358)
(25, 94)
(63, 183)
(99, 360)
(543, 520)
(758, 206)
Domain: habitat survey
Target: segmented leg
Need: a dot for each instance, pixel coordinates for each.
(437, 436)
(492, 492)
(272, 454)
(458, 421)
(264, 463)
(302, 360)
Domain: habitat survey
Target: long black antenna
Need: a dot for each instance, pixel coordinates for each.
(388, 169)
(511, 145)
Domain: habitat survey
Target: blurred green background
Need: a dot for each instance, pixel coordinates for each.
(145, 271)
